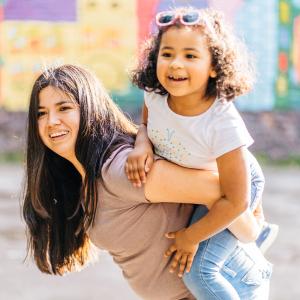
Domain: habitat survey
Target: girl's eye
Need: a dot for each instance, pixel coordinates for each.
(190, 56)
(166, 54)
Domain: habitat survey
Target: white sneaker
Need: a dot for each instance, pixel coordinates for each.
(267, 236)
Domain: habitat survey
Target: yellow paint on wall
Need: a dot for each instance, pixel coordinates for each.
(284, 12)
(282, 85)
(104, 39)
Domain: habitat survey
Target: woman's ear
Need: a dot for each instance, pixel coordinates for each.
(213, 74)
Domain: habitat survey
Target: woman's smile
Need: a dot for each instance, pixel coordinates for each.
(58, 135)
(58, 121)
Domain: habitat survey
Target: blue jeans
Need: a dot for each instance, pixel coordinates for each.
(225, 269)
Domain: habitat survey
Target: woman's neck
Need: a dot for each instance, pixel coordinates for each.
(189, 105)
(78, 166)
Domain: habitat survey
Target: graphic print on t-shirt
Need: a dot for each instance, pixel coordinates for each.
(168, 145)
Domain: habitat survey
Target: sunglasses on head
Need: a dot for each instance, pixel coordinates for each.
(167, 18)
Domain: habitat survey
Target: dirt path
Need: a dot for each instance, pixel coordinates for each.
(104, 280)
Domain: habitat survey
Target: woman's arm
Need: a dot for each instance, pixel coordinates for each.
(168, 182)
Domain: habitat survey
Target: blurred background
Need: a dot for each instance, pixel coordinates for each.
(105, 36)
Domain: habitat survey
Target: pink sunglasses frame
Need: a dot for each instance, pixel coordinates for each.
(177, 16)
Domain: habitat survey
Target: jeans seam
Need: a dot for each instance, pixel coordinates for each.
(201, 274)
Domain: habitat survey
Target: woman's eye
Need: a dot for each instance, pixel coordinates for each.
(63, 108)
(41, 113)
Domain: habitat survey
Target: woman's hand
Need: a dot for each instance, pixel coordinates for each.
(184, 251)
(139, 163)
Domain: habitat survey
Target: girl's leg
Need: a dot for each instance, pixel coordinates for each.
(205, 280)
(248, 272)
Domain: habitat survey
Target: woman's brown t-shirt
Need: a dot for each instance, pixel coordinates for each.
(132, 230)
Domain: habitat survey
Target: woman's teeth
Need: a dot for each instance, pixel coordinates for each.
(57, 134)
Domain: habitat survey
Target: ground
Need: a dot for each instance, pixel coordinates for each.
(104, 280)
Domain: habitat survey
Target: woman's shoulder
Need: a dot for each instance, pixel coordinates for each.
(114, 178)
(117, 159)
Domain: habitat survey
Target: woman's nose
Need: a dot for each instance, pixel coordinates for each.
(53, 119)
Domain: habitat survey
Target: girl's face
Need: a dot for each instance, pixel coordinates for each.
(184, 62)
(58, 121)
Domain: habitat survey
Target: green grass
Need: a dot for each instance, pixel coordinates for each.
(292, 160)
(12, 157)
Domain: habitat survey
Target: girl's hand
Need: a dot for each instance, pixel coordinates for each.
(184, 251)
(138, 164)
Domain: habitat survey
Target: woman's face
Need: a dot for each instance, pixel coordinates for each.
(58, 121)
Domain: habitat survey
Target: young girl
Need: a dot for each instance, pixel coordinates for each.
(191, 71)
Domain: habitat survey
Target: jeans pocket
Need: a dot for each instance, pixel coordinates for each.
(238, 264)
(257, 274)
(248, 268)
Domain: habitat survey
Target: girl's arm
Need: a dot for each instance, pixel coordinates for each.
(183, 185)
(140, 160)
(168, 182)
(235, 183)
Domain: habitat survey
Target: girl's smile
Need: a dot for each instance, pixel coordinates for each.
(184, 62)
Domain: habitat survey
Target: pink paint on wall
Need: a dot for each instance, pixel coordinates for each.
(145, 12)
(229, 8)
(296, 49)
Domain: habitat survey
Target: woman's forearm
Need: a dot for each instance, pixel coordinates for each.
(168, 182)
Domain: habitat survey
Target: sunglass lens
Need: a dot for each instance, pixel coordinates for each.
(190, 17)
(164, 19)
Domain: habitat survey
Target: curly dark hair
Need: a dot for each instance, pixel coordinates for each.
(230, 59)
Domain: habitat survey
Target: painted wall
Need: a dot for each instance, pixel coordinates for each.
(99, 34)
(105, 36)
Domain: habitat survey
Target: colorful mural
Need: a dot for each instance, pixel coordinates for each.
(105, 36)
(96, 33)
(288, 80)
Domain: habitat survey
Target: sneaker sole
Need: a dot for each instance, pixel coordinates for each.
(270, 240)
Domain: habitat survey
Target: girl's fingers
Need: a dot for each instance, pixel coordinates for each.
(136, 178)
(141, 171)
(182, 265)
(148, 163)
(175, 261)
(170, 250)
(189, 263)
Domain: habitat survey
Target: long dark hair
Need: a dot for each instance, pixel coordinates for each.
(58, 208)
(230, 59)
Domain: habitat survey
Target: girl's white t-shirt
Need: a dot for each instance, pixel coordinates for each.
(195, 141)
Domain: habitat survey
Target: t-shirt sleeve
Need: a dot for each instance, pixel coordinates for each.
(149, 97)
(116, 182)
(229, 132)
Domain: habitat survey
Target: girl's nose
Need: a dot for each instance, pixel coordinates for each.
(176, 64)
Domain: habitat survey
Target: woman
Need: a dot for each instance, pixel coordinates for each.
(77, 192)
